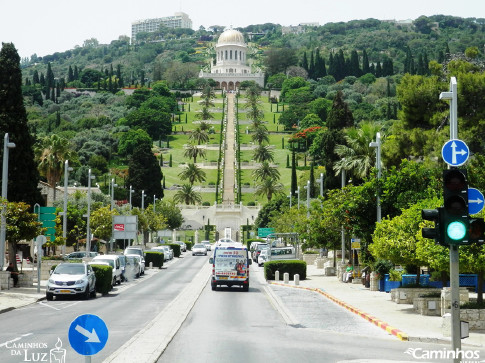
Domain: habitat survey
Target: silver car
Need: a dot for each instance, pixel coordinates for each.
(199, 249)
(71, 279)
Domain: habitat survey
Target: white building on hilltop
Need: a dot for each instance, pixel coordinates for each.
(231, 66)
(178, 20)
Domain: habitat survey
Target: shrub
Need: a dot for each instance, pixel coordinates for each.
(311, 252)
(395, 275)
(104, 278)
(382, 267)
(473, 305)
(291, 266)
(175, 248)
(189, 246)
(155, 257)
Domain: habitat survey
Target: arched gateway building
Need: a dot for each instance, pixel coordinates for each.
(231, 66)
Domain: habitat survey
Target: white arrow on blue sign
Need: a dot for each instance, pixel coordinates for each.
(88, 334)
(455, 152)
(475, 201)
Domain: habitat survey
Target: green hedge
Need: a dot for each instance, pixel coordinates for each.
(189, 246)
(155, 257)
(291, 266)
(175, 248)
(104, 278)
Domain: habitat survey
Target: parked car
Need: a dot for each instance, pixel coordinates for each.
(257, 250)
(71, 279)
(139, 263)
(135, 250)
(80, 254)
(114, 262)
(263, 257)
(167, 252)
(132, 267)
(123, 267)
(183, 246)
(199, 249)
(207, 244)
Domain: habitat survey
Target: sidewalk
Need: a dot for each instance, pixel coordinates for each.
(19, 297)
(398, 319)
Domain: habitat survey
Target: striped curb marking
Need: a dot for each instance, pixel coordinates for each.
(391, 330)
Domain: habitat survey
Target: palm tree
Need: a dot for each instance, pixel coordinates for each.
(269, 188)
(193, 151)
(357, 157)
(187, 195)
(193, 173)
(204, 126)
(263, 153)
(260, 134)
(266, 171)
(51, 153)
(199, 136)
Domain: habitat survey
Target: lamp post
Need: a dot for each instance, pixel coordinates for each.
(154, 200)
(307, 187)
(67, 169)
(88, 227)
(131, 192)
(3, 230)
(320, 181)
(290, 199)
(377, 145)
(343, 229)
(298, 192)
(113, 185)
(142, 199)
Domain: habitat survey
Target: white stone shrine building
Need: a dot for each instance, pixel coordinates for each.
(231, 66)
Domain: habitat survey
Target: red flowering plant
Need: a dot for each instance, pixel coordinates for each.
(304, 137)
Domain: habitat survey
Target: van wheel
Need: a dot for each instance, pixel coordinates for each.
(246, 287)
(213, 286)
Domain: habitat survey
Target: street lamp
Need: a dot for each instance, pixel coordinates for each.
(154, 200)
(88, 227)
(321, 180)
(290, 199)
(298, 192)
(67, 169)
(377, 145)
(131, 192)
(3, 230)
(142, 199)
(307, 187)
(113, 185)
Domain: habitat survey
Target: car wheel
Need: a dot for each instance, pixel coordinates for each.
(86, 293)
(93, 293)
(49, 296)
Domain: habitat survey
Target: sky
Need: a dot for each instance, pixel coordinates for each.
(49, 26)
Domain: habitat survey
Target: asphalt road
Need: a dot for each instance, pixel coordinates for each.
(229, 325)
(32, 331)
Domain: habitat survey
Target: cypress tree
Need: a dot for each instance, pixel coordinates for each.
(420, 69)
(365, 63)
(312, 180)
(304, 62)
(118, 75)
(354, 69)
(311, 66)
(320, 70)
(35, 77)
(76, 73)
(23, 175)
(293, 173)
(340, 116)
(378, 69)
(70, 75)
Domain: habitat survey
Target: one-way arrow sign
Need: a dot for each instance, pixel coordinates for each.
(88, 334)
(475, 201)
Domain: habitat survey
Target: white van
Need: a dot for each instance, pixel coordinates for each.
(281, 253)
(230, 266)
(114, 262)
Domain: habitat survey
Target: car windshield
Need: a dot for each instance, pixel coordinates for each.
(110, 262)
(199, 246)
(69, 269)
(133, 251)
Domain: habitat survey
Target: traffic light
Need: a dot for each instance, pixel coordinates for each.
(455, 217)
(476, 230)
(435, 233)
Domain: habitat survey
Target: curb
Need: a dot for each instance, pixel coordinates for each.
(372, 319)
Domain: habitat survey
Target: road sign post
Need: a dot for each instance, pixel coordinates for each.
(88, 334)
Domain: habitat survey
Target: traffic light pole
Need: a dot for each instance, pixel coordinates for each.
(454, 254)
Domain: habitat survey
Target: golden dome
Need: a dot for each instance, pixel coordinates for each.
(231, 36)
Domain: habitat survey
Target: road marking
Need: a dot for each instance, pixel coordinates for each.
(15, 339)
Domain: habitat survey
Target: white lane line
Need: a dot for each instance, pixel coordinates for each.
(15, 339)
(47, 305)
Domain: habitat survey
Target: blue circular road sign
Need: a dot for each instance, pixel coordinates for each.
(88, 334)
(475, 201)
(455, 152)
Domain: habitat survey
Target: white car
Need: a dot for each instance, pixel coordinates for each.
(199, 249)
(207, 244)
(141, 264)
(135, 250)
(166, 250)
(71, 279)
(114, 262)
(263, 257)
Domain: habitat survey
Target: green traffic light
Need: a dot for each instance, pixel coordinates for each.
(456, 230)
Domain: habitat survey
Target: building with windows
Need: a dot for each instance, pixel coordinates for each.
(179, 20)
(231, 67)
